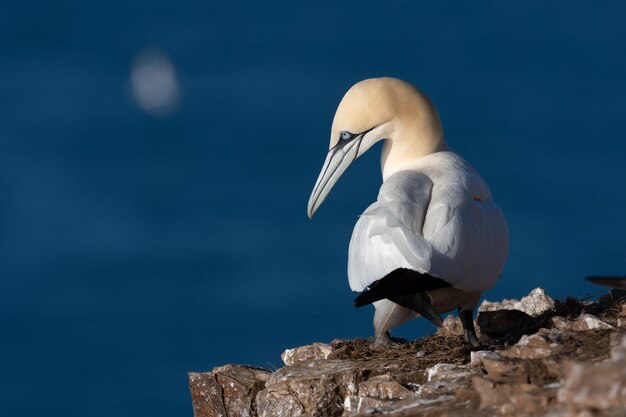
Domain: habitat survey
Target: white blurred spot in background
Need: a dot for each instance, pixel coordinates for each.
(154, 84)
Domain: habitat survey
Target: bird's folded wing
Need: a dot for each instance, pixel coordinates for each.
(468, 233)
(449, 228)
(384, 239)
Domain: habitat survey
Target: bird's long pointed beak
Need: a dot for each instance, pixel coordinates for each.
(337, 161)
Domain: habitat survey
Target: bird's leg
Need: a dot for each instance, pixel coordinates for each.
(467, 320)
(384, 339)
(421, 303)
(388, 340)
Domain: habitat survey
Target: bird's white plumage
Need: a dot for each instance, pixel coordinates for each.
(389, 315)
(435, 216)
(434, 213)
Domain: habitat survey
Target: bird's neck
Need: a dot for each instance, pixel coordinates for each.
(404, 148)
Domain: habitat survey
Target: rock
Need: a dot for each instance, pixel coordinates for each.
(316, 388)
(600, 386)
(345, 375)
(306, 353)
(618, 351)
(445, 379)
(495, 394)
(383, 387)
(527, 403)
(312, 397)
(562, 323)
(518, 399)
(478, 356)
(545, 373)
(510, 324)
(572, 368)
(364, 406)
(226, 391)
(540, 372)
(441, 371)
(206, 395)
(590, 322)
(597, 385)
(356, 404)
(613, 297)
(535, 346)
(452, 326)
(505, 372)
(534, 304)
(552, 336)
(536, 340)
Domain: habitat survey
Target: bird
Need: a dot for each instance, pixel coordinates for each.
(609, 281)
(434, 240)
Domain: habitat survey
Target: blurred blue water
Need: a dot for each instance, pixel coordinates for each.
(134, 248)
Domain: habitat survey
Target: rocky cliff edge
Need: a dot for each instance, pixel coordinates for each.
(539, 357)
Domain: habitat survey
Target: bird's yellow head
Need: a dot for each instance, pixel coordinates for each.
(372, 110)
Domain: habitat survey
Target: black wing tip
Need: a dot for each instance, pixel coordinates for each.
(399, 282)
(606, 280)
(597, 278)
(361, 300)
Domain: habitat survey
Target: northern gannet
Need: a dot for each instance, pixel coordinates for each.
(434, 240)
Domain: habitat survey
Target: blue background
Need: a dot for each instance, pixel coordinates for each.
(135, 248)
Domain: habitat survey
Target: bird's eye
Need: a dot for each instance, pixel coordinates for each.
(345, 135)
